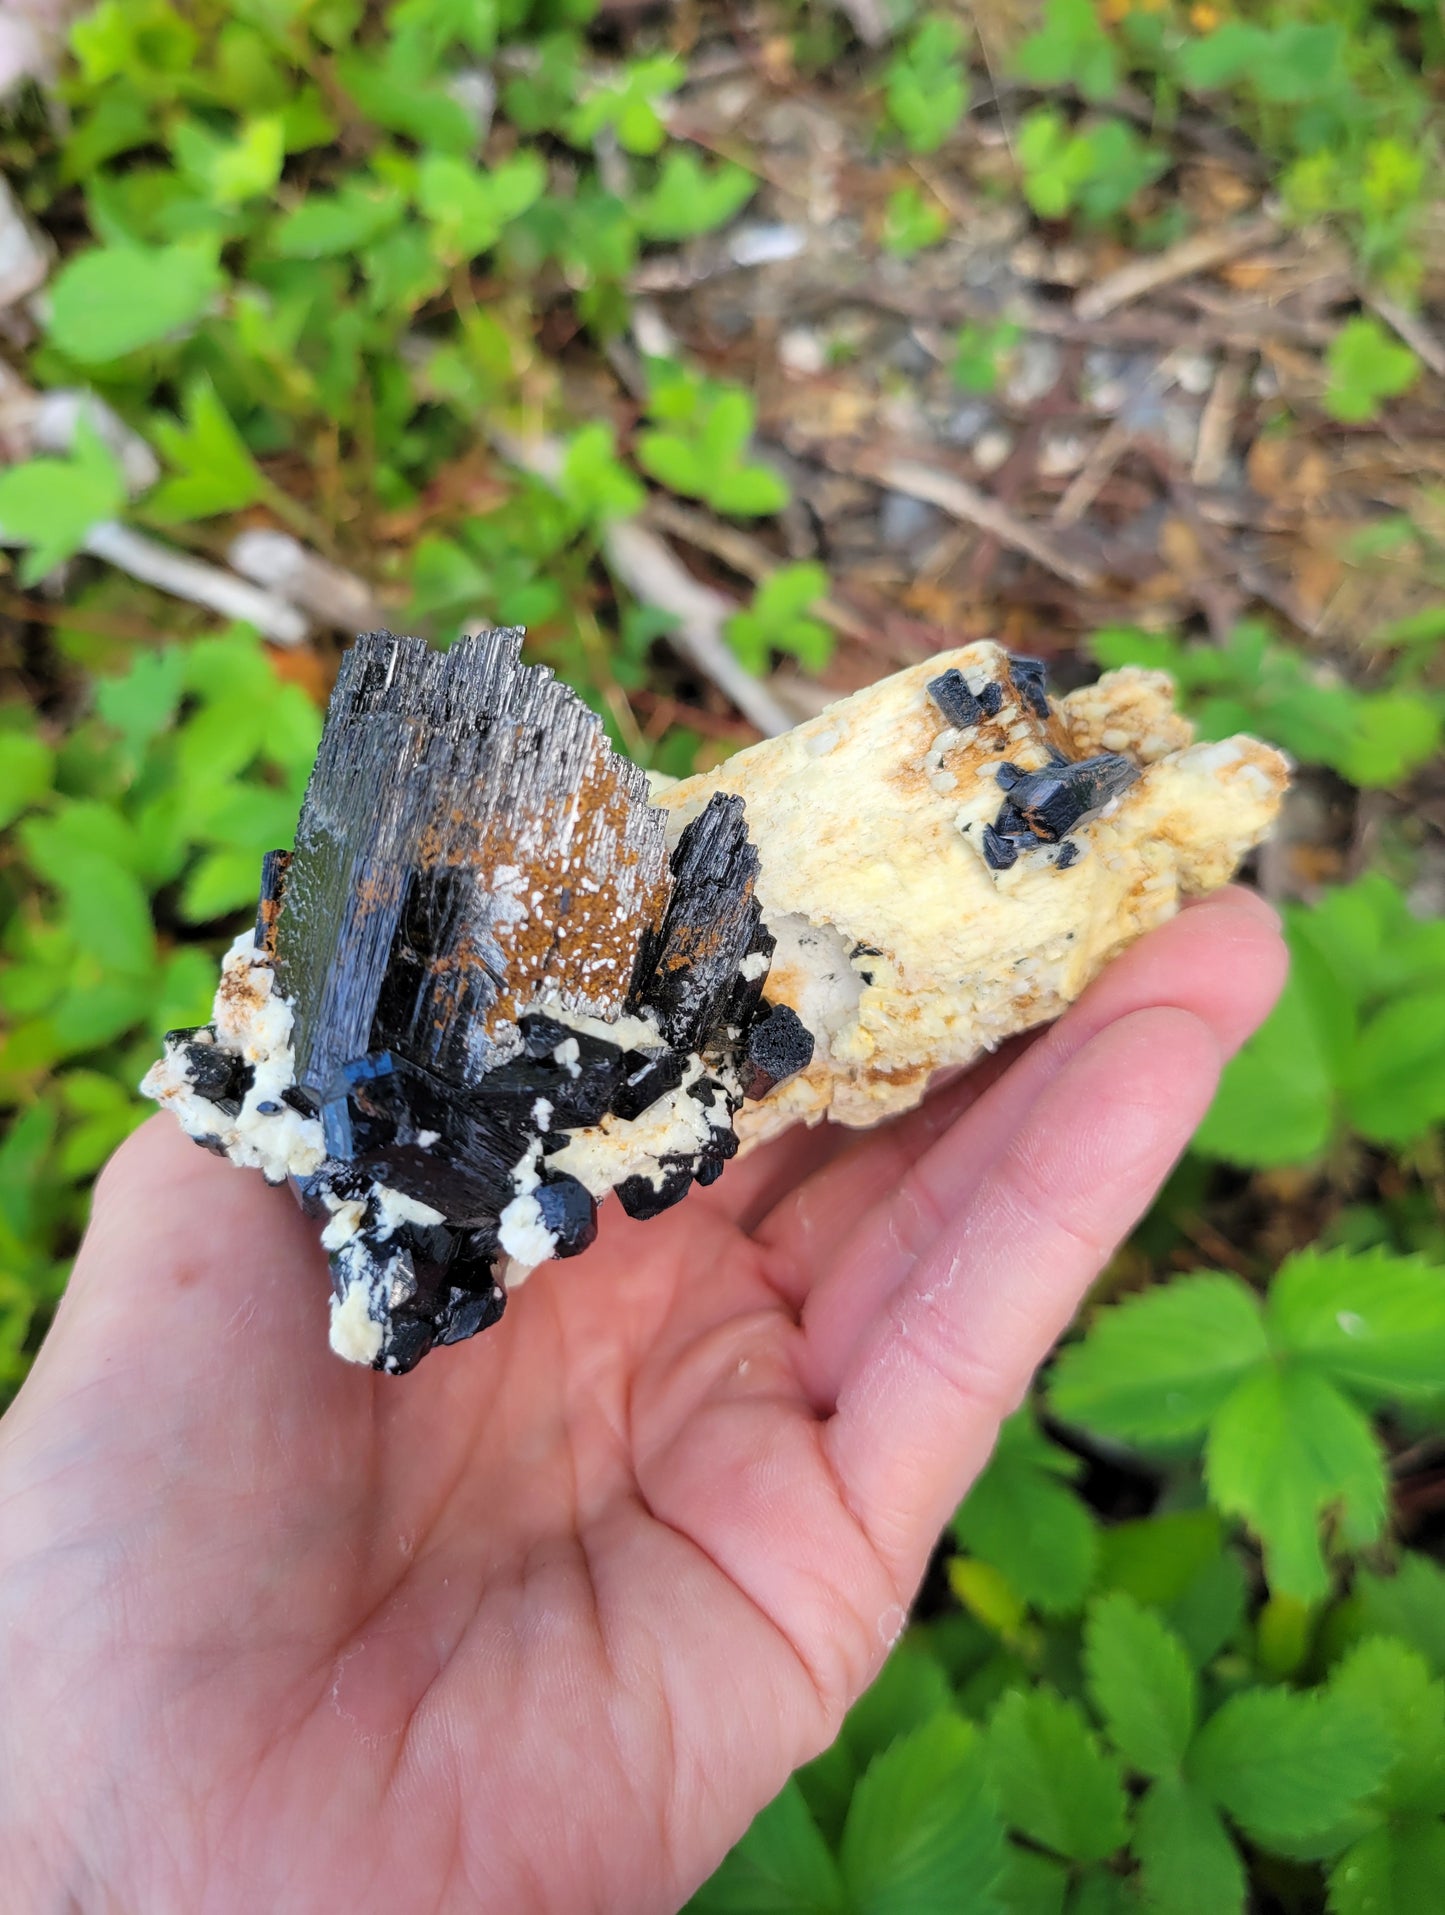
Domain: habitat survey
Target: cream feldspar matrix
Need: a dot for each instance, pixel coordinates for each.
(497, 979)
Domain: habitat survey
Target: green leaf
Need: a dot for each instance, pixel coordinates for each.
(326, 225)
(1394, 1085)
(980, 354)
(780, 1867)
(1283, 1449)
(595, 480)
(1177, 1563)
(748, 492)
(142, 701)
(108, 913)
(1394, 1680)
(1031, 1884)
(221, 883)
(52, 505)
(470, 209)
(232, 170)
(1366, 365)
(1020, 1517)
(1158, 1367)
(911, 222)
(1141, 1683)
(1222, 57)
(1053, 1781)
(1371, 1320)
(911, 1688)
(688, 199)
(1275, 1101)
(1409, 1604)
(1394, 734)
(216, 472)
(1394, 1871)
(922, 1831)
(1285, 1765)
(26, 765)
(927, 88)
(1071, 48)
(113, 299)
(1188, 1864)
(672, 460)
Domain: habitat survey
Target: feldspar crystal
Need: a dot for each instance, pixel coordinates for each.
(494, 980)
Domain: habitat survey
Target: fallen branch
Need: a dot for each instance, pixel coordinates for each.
(651, 571)
(964, 501)
(283, 565)
(1217, 422)
(1197, 254)
(192, 579)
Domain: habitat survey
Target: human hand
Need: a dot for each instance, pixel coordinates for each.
(541, 1627)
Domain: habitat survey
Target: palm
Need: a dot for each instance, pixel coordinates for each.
(542, 1626)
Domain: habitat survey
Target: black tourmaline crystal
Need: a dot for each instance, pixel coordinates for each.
(480, 893)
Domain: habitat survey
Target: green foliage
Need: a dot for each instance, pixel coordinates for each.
(1023, 1521)
(1251, 682)
(777, 620)
(981, 354)
(1366, 365)
(1357, 1039)
(629, 106)
(213, 467)
(699, 440)
(1071, 48)
(689, 198)
(123, 296)
(1277, 1394)
(927, 89)
(1095, 171)
(51, 505)
(151, 820)
(911, 222)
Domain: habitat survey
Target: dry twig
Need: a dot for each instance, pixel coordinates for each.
(1216, 423)
(283, 565)
(192, 579)
(1197, 254)
(964, 501)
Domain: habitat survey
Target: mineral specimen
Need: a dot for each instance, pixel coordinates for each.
(495, 981)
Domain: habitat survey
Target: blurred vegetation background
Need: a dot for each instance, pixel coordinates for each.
(745, 352)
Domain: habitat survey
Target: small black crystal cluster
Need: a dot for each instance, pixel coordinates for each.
(479, 889)
(1040, 807)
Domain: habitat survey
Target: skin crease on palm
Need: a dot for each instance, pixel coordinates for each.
(542, 1626)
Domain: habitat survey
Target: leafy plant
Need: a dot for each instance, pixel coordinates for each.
(1366, 365)
(1357, 1039)
(52, 505)
(1278, 1393)
(149, 820)
(927, 89)
(1071, 48)
(777, 620)
(1252, 682)
(911, 222)
(981, 354)
(689, 198)
(1095, 171)
(699, 442)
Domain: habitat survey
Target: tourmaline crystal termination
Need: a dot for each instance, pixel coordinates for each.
(495, 981)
